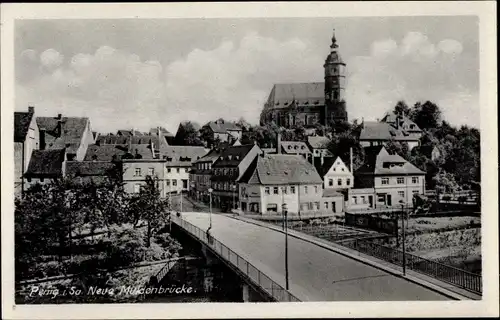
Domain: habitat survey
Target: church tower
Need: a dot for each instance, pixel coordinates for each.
(335, 68)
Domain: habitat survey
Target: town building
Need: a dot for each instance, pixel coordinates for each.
(45, 166)
(227, 169)
(276, 179)
(26, 139)
(201, 173)
(178, 163)
(96, 172)
(395, 127)
(309, 104)
(319, 146)
(71, 133)
(385, 181)
(223, 131)
(136, 171)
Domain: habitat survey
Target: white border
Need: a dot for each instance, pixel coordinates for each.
(488, 84)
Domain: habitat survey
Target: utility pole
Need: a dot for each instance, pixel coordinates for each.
(285, 213)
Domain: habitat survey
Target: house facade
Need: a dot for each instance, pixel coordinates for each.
(385, 181)
(135, 172)
(201, 173)
(231, 164)
(45, 166)
(224, 131)
(178, 163)
(338, 176)
(276, 179)
(26, 139)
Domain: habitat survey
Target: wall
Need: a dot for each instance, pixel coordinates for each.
(221, 136)
(178, 174)
(248, 194)
(18, 167)
(87, 138)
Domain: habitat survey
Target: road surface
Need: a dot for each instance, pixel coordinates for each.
(315, 273)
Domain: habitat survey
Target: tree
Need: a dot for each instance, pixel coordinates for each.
(152, 207)
(426, 115)
(402, 108)
(188, 135)
(445, 182)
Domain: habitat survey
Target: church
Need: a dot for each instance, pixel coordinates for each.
(309, 104)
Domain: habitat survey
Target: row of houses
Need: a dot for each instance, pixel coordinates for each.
(303, 175)
(262, 180)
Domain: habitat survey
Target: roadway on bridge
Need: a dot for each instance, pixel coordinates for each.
(315, 273)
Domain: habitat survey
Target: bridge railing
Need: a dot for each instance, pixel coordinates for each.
(458, 277)
(273, 289)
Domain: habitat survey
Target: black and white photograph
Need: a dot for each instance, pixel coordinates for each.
(226, 160)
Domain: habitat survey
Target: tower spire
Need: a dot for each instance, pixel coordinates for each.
(334, 45)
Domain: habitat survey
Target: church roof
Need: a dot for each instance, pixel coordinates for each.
(304, 94)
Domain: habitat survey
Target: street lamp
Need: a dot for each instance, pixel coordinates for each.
(404, 235)
(192, 189)
(210, 190)
(234, 196)
(284, 208)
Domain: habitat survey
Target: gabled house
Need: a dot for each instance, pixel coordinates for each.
(46, 166)
(385, 180)
(232, 163)
(276, 179)
(319, 146)
(71, 133)
(178, 163)
(201, 173)
(392, 127)
(26, 139)
(224, 130)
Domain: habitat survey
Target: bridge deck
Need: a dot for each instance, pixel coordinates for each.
(315, 273)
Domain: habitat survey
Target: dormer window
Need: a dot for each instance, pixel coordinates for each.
(237, 157)
(229, 157)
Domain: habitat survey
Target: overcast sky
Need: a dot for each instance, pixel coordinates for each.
(144, 73)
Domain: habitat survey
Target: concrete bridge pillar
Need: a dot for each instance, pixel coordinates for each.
(245, 292)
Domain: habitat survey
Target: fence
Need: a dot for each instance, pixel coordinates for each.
(249, 271)
(455, 276)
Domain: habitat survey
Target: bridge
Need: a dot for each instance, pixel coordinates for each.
(257, 254)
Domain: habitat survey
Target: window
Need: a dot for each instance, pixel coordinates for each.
(401, 194)
(355, 200)
(178, 170)
(381, 197)
(330, 182)
(385, 180)
(267, 191)
(401, 180)
(168, 182)
(186, 169)
(151, 171)
(362, 199)
(174, 182)
(292, 190)
(305, 189)
(348, 182)
(184, 183)
(317, 205)
(137, 188)
(310, 205)
(275, 190)
(414, 179)
(343, 169)
(137, 172)
(414, 192)
(316, 189)
(169, 170)
(339, 182)
(326, 205)
(272, 207)
(42, 179)
(284, 190)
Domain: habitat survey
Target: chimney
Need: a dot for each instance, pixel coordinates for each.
(42, 138)
(31, 109)
(133, 132)
(278, 142)
(160, 138)
(130, 144)
(59, 125)
(153, 149)
(350, 154)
